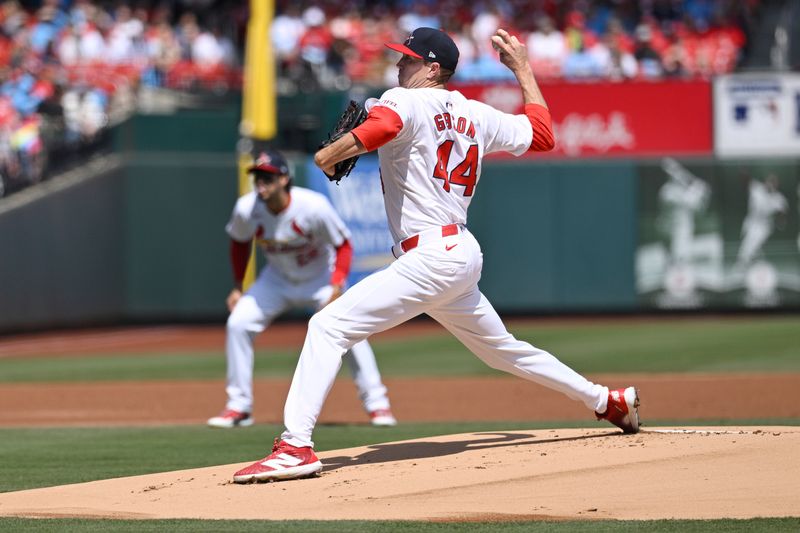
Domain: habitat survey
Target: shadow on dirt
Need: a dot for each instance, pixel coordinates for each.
(387, 453)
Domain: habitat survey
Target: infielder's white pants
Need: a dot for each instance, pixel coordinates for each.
(267, 298)
(440, 278)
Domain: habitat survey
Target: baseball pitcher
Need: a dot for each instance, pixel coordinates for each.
(431, 142)
(308, 255)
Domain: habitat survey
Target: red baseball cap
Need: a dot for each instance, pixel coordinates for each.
(431, 45)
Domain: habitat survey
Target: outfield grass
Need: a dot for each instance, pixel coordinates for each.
(757, 344)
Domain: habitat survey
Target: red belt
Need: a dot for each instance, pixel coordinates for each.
(412, 242)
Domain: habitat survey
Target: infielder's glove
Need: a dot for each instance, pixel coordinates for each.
(353, 116)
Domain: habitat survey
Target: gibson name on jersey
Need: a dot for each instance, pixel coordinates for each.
(445, 121)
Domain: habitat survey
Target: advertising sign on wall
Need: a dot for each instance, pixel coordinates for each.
(714, 235)
(359, 202)
(757, 115)
(617, 119)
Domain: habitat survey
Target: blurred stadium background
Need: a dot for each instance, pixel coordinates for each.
(123, 125)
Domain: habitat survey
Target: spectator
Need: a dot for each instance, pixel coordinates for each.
(124, 37)
(581, 64)
(649, 61)
(163, 52)
(186, 32)
(207, 50)
(286, 30)
(49, 22)
(91, 45)
(612, 60)
(576, 33)
(484, 25)
(547, 48)
(418, 15)
(315, 47)
(676, 60)
(12, 17)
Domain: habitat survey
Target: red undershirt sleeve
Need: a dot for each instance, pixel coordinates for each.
(382, 125)
(542, 124)
(341, 268)
(240, 255)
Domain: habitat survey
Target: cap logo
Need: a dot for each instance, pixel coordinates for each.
(408, 41)
(431, 54)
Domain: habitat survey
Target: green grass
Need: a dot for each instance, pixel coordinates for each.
(737, 344)
(700, 345)
(349, 526)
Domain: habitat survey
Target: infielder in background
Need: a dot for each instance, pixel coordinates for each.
(430, 143)
(308, 259)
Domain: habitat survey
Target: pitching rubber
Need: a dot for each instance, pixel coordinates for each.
(632, 401)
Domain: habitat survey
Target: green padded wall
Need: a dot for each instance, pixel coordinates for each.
(177, 248)
(62, 254)
(557, 235)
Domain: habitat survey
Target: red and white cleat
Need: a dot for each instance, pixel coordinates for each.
(382, 418)
(231, 419)
(623, 409)
(285, 462)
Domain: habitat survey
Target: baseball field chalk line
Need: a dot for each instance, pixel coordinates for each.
(702, 431)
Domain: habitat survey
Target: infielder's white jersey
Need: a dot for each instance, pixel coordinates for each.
(299, 241)
(431, 168)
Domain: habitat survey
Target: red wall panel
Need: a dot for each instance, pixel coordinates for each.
(617, 119)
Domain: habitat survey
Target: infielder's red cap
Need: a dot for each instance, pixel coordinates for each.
(430, 45)
(270, 161)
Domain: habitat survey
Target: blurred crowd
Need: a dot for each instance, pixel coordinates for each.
(335, 43)
(69, 68)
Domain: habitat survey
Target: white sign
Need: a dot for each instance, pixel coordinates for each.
(757, 115)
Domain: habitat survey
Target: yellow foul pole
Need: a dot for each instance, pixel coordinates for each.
(259, 116)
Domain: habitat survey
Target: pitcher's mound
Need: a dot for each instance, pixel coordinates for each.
(516, 475)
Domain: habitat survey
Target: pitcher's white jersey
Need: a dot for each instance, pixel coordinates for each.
(299, 241)
(431, 168)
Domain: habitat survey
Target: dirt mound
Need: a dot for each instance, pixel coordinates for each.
(661, 473)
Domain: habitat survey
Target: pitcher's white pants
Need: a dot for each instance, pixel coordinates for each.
(440, 278)
(267, 298)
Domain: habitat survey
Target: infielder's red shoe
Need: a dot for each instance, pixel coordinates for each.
(382, 418)
(285, 462)
(623, 409)
(230, 418)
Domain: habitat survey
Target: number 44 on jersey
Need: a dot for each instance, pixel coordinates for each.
(466, 172)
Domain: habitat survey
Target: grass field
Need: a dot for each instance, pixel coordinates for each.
(758, 344)
(37, 457)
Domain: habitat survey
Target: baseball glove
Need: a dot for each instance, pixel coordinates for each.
(353, 116)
